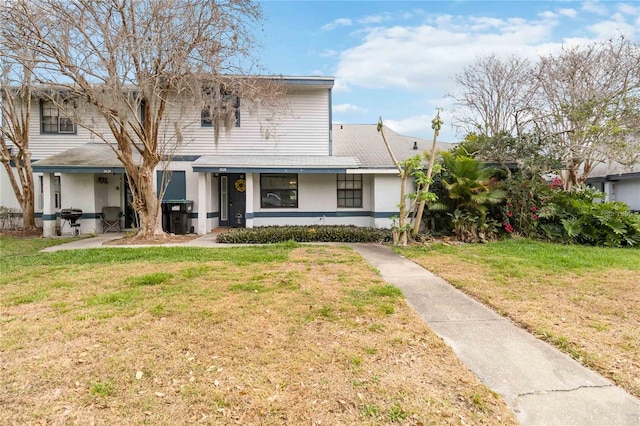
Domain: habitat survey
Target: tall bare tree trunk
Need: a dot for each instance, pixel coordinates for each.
(436, 125)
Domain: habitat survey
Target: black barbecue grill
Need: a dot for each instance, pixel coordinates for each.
(71, 217)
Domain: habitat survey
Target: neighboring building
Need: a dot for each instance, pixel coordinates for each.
(618, 183)
(301, 170)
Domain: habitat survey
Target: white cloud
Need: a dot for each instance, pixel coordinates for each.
(612, 29)
(348, 108)
(374, 19)
(571, 13)
(410, 126)
(340, 22)
(547, 15)
(628, 9)
(595, 7)
(426, 56)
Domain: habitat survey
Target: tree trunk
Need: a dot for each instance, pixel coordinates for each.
(23, 189)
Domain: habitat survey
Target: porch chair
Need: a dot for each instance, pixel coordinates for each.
(111, 219)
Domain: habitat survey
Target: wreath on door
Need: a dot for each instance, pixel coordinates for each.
(241, 185)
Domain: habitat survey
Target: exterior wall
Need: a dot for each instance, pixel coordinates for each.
(627, 190)
(386, 195)
(79, 193)
(8, 198)
(317, 204)
(301, 126)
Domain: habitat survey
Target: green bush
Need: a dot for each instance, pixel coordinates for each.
(304, 234)
(577, 217)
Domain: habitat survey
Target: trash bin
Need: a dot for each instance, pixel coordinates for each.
(175, 216)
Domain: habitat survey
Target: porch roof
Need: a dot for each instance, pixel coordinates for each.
(92, 157)
(274, 163)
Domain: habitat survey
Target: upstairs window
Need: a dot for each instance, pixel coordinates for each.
(227, 112)
(53, 121)
(349, 190)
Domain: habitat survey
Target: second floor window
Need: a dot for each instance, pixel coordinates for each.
(52, 120)
(228, 112)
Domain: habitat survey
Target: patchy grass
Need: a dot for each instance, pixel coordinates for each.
(584, 300)
(256, 335)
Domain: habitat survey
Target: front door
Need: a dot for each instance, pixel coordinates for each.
(233, 201)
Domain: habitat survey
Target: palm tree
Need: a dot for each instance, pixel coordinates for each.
(472, 188)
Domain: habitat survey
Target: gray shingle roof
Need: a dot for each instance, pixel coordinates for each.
(364, 142)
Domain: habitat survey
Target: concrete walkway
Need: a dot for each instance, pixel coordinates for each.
(539, 383)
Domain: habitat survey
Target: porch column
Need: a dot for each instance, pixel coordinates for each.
(204, 189)
(249, 201)
(48, 207)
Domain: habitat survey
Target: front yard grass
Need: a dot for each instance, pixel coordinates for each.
(279, 334)
(583, 300)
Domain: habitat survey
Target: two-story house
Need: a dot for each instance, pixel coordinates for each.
(301, 169)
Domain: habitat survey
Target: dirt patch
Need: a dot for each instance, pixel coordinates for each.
(22, 233)
(154, 240)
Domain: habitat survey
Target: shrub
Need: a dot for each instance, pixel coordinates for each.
(302, 234)
(576, 217)
(10, 218)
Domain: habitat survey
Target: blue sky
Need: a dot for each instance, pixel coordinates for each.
(396, 59)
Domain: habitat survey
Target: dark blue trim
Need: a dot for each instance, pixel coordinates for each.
(189, 158)
(79, 169)
(305, 82)
(310, 214)
(57, 216)
(210, 169)
(212, 215)
(385, 215)
(613, 178)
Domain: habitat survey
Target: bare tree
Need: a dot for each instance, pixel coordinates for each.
(142, 67)
(580, 107)
(495, 96)
(591, 104)
(15, 154)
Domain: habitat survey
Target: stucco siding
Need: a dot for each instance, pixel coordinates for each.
(627, 191)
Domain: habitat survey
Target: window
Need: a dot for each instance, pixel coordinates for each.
(349, 190)
(53, 121)
(228, 102)
(279, 190)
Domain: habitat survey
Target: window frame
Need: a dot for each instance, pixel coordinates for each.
(342, 194)
(278, 192)
(54, 123)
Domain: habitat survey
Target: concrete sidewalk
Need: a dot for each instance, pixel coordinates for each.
(540, 384)
(208, 240)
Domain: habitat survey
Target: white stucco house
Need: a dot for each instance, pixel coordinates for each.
(304, 170)
(618, 183)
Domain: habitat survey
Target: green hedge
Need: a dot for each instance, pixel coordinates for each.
(304, 234)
